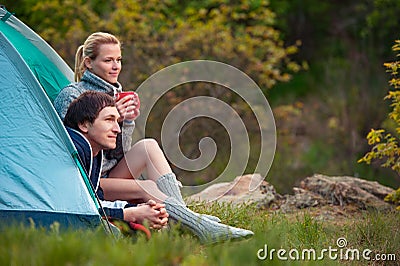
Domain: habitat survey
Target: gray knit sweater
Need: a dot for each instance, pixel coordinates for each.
(90, 81)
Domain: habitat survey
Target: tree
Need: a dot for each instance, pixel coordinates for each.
(157, 34)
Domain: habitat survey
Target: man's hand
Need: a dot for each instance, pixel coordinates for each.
(154, 213)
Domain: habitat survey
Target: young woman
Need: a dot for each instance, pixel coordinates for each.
(97, 67)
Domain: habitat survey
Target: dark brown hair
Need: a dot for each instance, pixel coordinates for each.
(86, 108)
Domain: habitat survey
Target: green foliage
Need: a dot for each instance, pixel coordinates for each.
(344, 43)
(307, 231)
(373, 230)
(338, 28)
(385, 144)
(381, 22)
(157, 34)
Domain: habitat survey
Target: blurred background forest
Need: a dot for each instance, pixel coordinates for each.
(319, 63)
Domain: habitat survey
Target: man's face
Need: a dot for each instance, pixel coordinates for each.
(102, 133)
(107, 64)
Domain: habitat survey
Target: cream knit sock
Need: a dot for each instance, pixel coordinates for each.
(169, 185)
(207, 231)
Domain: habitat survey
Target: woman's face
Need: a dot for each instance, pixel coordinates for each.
(107, 64)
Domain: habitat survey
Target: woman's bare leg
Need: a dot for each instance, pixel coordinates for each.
(131, 190)
(122, 184)
(145, 155)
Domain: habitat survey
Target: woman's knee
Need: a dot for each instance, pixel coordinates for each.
(148, 144)
(151, 143)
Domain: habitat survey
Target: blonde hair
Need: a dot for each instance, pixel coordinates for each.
(90, 48)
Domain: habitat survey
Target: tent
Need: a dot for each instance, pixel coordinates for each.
(40, 176)
(49, 68)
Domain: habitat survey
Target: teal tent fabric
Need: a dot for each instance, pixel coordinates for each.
(48, 67)
(39, 178)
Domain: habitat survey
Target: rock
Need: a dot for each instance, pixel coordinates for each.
(342, 190)
(271, 198)
(315, 191)
(301, 199)
(244, 189)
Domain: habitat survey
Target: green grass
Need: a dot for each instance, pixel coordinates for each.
(370, 230)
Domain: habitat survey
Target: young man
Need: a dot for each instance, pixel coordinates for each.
(92, 122)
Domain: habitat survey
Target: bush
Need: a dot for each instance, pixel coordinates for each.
(385, 144)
